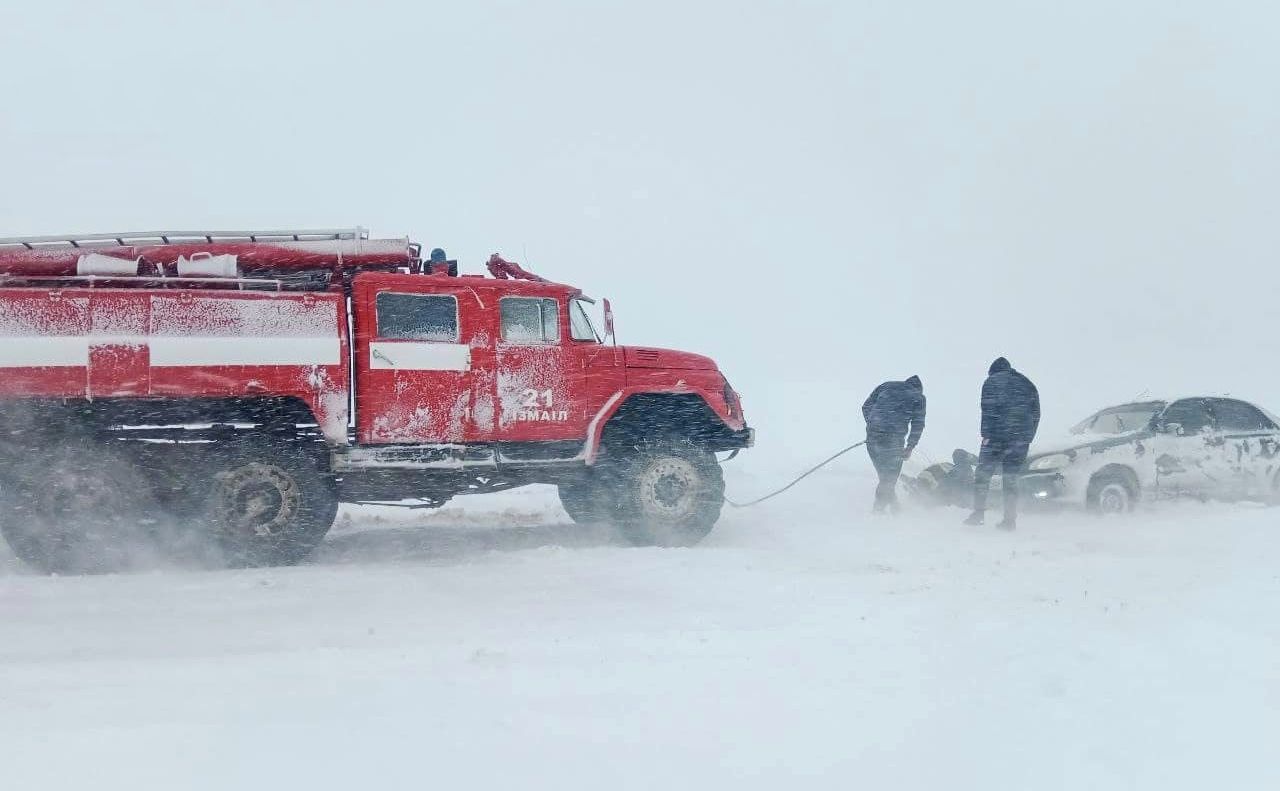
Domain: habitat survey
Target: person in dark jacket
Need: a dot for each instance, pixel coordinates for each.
(946, 483)
(955, 486)
(1010, 417)
(895, 415)
(440, 264)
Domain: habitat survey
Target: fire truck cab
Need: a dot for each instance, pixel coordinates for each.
(218, 394)
(470, 360)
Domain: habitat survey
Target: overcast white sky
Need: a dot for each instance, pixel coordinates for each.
(819, 195)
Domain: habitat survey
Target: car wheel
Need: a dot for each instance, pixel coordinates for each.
(586, 501)
(77, 510)
(1112, 492)
(669, 494)
(268, 503)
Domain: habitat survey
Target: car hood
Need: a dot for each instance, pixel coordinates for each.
(1070, 442)
(650, 357)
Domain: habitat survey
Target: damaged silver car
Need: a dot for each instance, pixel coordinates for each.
(1201, 447)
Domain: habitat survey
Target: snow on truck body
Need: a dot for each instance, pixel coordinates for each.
(113, 343)
(326, 355)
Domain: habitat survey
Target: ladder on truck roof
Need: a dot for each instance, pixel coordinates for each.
(148, 238)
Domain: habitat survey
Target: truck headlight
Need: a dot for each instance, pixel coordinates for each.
(1053, 461)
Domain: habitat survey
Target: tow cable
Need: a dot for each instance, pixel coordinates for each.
(803, 475)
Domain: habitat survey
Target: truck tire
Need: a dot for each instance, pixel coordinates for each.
(587, 501)
(78, 508)
(270, 501)
(669, 494)
(1112, 491)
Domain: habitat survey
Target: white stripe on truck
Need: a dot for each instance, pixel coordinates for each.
(174, 351)
(419, 356)
(41, 351)
(53, 351)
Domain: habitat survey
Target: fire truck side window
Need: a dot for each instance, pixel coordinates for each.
(418, 317)
(530, 320)
(580, 328)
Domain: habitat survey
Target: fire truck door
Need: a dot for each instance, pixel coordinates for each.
(540, 375)
(414, 366)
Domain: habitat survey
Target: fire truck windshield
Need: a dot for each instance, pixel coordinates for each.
(580, 325)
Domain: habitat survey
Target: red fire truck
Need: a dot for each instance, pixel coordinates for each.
(168, 394)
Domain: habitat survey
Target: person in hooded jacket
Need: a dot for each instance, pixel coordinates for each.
(440, 264)
(895, 420)
(1010, 418)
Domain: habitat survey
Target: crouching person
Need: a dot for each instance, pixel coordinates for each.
(895, 420)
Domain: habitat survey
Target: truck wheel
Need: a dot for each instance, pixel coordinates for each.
(669, 494)
(271, 502)
(1112, 492)
(587, 501)
(67, 511)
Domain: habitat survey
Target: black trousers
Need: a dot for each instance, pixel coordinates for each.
(1010, 457)
(886, 455)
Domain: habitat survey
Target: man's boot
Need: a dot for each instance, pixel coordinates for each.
(1010, 521)
(880, 503)
(979, 504)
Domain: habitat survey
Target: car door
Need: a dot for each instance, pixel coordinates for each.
(540, 396)
(414, 362)
(1187, 449)
(1248, 449)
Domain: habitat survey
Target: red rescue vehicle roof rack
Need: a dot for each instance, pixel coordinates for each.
(179, 237)
(284, 259)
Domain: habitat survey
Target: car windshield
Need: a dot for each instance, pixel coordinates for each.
(1119, 419)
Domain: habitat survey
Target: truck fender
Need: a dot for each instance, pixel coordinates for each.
(595, 429)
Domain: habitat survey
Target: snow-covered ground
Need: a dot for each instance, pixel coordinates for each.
(803, 645)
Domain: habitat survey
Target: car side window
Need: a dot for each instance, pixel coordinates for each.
(1190, 413)
(1110, 423)
(1235, 415)
(417, 317)
(530, 320)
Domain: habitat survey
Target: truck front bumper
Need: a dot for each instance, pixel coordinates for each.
(735, 441)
